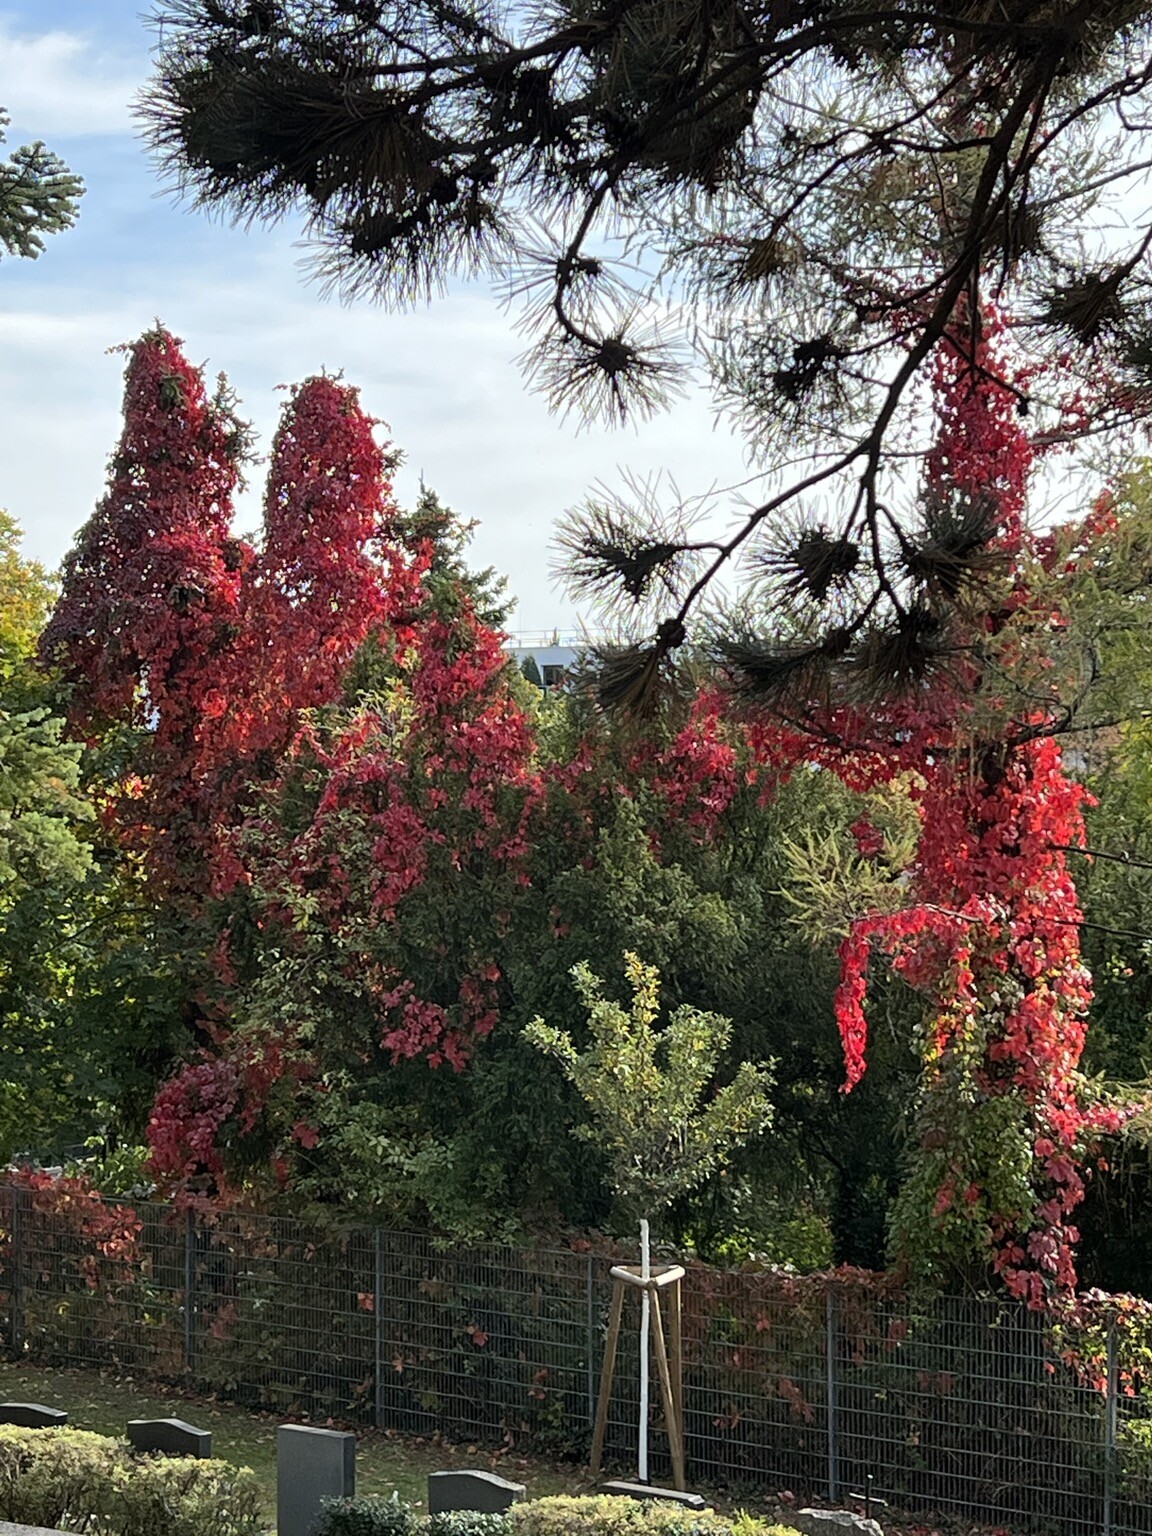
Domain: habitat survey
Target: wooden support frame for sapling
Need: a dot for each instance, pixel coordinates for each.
(664, 1278)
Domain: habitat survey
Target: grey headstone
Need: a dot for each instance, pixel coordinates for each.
(172, 1437)
(311, 1465)
(651, 1491)
(482, 1491)
(32, 1415)
(8, 1529)
(832, 1522)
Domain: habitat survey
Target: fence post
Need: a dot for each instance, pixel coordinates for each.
(189, 1291)
(830, 1395)
(1111, 1386)
(378, 1332)
(590, 1327)
(16, 1285)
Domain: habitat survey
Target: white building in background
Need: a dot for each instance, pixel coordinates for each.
(555, 653)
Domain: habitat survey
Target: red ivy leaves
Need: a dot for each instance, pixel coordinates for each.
(104, 1235)
(155, 576)
(150, 594)
(992, 936)
(325, 578)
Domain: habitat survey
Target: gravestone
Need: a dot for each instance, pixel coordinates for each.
(651, 1491)
(311, 1465)
(32, 1416)
(481, 1491)
(831, 1522)
(172, 1437)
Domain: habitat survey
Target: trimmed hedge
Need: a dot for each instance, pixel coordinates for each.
(604, 1515)
(593, 1515)
(73, 1480)
(369, 1515)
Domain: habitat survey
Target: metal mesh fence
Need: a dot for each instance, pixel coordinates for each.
(968, 1407)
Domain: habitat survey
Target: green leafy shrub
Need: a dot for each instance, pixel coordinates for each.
(176, 1496)
(1134, 1443)
(602, 1515)
(466, 1522)
(56, 1477)
(73, 1480)
(370, 1515)
(593, 1515)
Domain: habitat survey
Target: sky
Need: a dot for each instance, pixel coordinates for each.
(443, 378)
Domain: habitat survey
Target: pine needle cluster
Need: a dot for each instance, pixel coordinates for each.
(809, 202)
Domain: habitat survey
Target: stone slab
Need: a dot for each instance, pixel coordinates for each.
(465, 1489)
(832, 1522)
(32, 1416)
(311, 1465)
(8, 1529)
(653, 1491)
(172, 1437)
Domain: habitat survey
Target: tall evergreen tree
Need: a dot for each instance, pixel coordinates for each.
(152, 583)
(149, 599)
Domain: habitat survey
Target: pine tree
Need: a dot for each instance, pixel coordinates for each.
(38, 196)
(821, 193)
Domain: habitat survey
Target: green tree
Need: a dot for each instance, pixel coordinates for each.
(612, 866)
(45, 857)
(39, 771)
(39, 196)
(91, 979)
(435, 528)
(655, 1112)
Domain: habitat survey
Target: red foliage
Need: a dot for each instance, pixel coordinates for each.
(235, 664)
(220, 1097)
(992, 935)
(106, 1234)
(324, 579)
(149, 601)
(697, 775)
(154, 579)
(215, 655)
(187, 1117)
(442, 781)
(169, 624)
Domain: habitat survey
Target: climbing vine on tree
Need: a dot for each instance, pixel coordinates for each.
(149, 603)
(990, 935)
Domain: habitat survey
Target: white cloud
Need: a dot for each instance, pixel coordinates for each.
(63, 84)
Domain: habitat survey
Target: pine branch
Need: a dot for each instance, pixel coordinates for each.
(38, 197)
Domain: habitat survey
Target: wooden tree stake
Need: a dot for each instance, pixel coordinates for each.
(669, 1368)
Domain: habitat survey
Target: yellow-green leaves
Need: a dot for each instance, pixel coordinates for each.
(656, 1112)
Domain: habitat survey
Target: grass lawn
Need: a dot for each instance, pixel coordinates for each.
(103, 1402)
